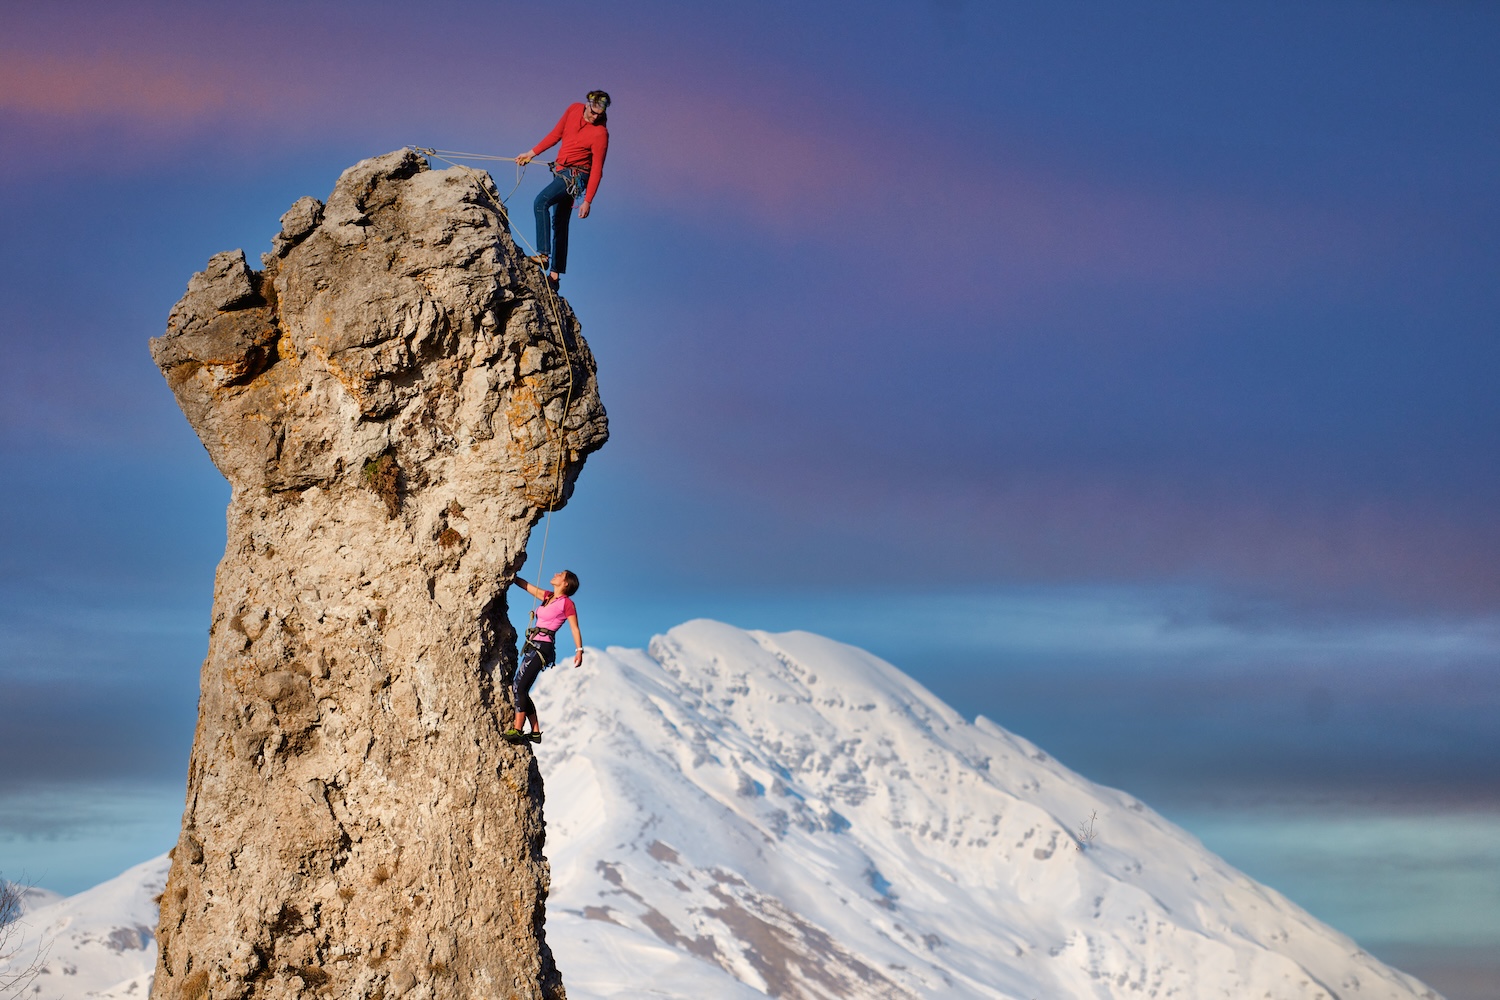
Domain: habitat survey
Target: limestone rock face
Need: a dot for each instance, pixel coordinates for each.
(395, 398)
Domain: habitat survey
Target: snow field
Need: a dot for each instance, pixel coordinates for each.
(735, 814)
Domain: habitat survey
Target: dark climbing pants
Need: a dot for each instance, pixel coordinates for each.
(554, 210)
(535, 657)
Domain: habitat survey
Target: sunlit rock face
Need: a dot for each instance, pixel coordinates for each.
(395, 398)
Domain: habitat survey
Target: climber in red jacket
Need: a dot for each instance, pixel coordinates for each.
(583, 130)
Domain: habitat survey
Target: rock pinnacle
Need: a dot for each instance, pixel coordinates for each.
(396, 398)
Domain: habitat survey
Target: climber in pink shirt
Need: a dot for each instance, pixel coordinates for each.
(540, 650)
(583, 131)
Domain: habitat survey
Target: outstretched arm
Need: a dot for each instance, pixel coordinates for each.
(577, 641)
(534, 591)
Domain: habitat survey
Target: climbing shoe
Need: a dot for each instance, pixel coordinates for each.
(514, 735)
(534, 737)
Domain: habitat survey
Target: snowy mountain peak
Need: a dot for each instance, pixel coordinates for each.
(788, 815)
(738, 814)
(99, 943)
(31, 897)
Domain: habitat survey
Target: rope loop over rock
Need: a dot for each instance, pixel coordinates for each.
(554, 306)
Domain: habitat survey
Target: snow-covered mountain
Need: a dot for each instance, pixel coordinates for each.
(99, 943)
(733, 814)
(33, 897)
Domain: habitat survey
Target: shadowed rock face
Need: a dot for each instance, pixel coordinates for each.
(395, 399)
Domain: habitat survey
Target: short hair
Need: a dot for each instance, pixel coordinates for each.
(570, 583)
(599, 97)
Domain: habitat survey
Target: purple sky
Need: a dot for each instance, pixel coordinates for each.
(1073, 293)
(1142, 350)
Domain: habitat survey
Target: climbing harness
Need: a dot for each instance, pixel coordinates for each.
(554, 306)
(573, 179)
(535, 635)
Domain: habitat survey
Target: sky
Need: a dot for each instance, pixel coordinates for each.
(1123, 372)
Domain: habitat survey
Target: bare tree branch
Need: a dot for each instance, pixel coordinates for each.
(16, 970)
(1086, 831)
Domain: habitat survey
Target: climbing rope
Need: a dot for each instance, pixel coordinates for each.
(554, 306)
(451, 157)
(429, 151)
(541, 565)
(561, 434)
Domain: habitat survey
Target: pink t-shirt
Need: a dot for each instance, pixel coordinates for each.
(553, 614)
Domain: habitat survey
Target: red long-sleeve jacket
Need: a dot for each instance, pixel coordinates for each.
(583, 146)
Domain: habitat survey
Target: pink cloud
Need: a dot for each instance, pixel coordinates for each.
(715, 151)
(106, 86)
(713, 138)
(967, 522)
(1092, 526)
(992, 227)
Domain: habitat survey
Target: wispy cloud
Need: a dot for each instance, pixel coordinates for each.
(112, 86)
(983, 219)
(782, 147)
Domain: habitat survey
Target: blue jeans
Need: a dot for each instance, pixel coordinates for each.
(557, 199)
(535, 657)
